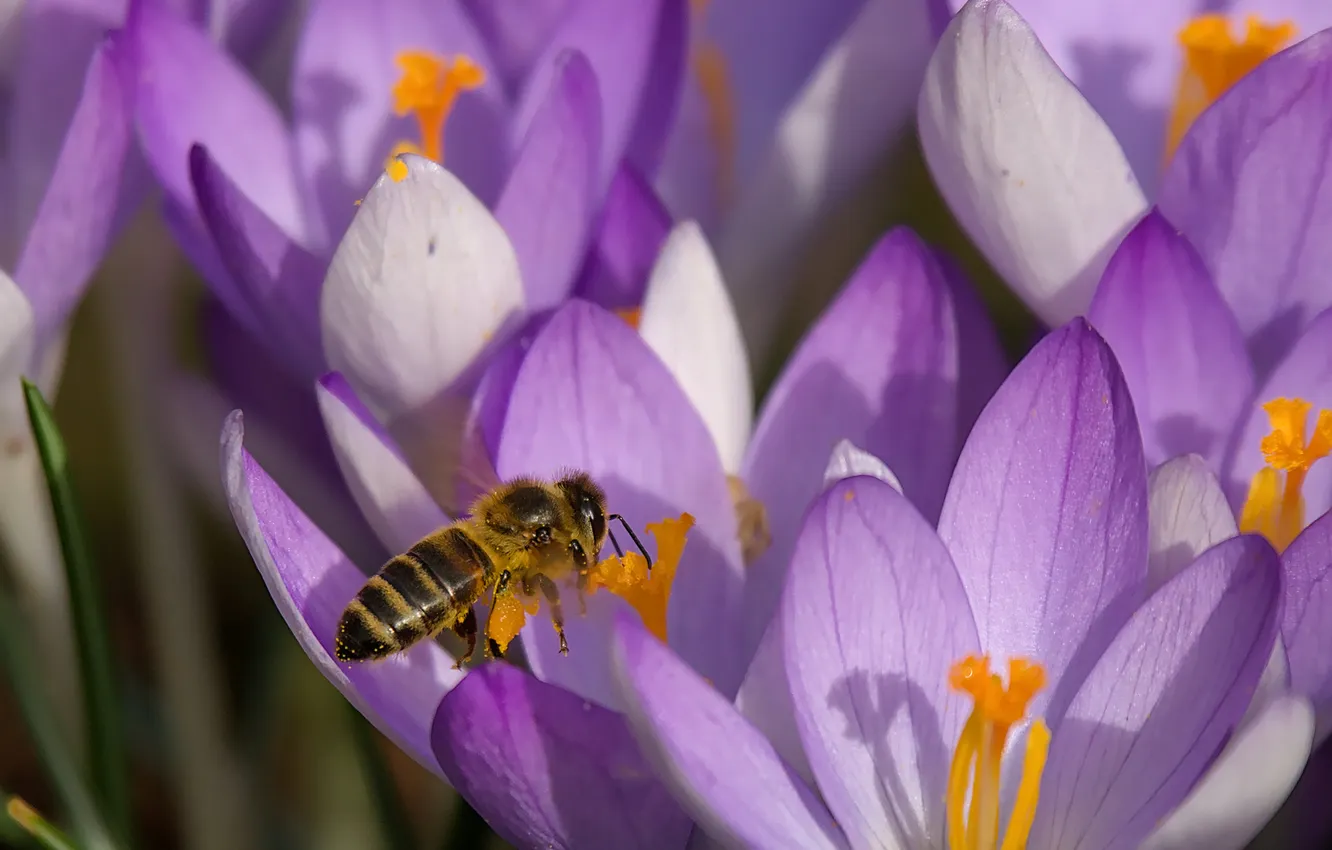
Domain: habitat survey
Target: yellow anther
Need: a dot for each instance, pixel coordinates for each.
(647, 590)
(1214, 61)
(714, 81)
(751, 520)
(1274, 507)
(973, 790)
(631, 316)
(429, 89)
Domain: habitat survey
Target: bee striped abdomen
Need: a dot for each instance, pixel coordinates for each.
(413, 596)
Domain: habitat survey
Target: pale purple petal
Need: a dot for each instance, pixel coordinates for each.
(516, 32)
(869, 670)
(659, 100)
(725, 773)
(397, 506)
(1163, 699)
(764, 699)
(1187, 514)
(1306, 626)
(1046, 515)
(272, 282)
(879, 368)
(311, 582)
(342, 85)
(74, 222)
(1306, 372)
(552, 193)
(982, 363)
(191, 92)
(618, 40)
(632, 228)
(1249, 186)
(1182, 354)
(547, 769)
(591, 396)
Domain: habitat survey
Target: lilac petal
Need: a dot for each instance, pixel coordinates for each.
(1246, 785)
(1027, 166)
(1306, 372)
(1306, 627)
(880, 369)
(848, 461)
(311, 581)
(191, 92)
(388, 493)
(547, 769)
(982, 364)
(721, 768)
(618, 40)
(659, 100)
(689, 321)
(855, 108)
(420, 284)
(516, 32)
(342, 96)
(591, 396)
(632, 228)
(551, 195)
(1249, 188)
(764, 699)
(1187, 514)
(1182, 353)
(1161, 701)
(270, 277)
(73, 224)
(1046, 515)
(869, 671)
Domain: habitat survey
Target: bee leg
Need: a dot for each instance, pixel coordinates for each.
(466, 629)
(582, 593)
(500, 587)
(552, 594)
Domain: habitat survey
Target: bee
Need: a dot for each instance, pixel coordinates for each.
(525, 534)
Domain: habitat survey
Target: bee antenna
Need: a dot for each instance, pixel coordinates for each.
(637, 542)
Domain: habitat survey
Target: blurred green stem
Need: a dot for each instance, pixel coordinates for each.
(392, 816)
(51, 750)
(468, 830)
(32, 823)
(106, 732)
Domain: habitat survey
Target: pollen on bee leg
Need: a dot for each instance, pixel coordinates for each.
(428, 90)
(1214, 60)
(973, 789)
(508, 615)
(1274, 506)
(647, 590)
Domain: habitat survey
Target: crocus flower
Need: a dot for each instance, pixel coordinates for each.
(788, 106)
(653, 416)
(1047, 178)
(1023, 673)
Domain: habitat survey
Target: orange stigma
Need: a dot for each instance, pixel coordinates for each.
(1214, 61)
(1275, 504)
(647, 590)
(429, 89)
(972, 797)
(631, 316)
(714, 81)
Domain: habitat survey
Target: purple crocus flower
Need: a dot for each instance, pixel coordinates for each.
(900, 364)
(1126, 678)
(1045, 184)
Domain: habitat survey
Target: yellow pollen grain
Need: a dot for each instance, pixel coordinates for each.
(507, 617)
(428, 89)
(1274, 506)
(647, 591)
(973, 788)
(1214, 61)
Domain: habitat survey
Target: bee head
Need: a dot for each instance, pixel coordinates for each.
(589, 504)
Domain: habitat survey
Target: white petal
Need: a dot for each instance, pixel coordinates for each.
(1187, 513)
(849, 460)
(1030, 170)
(16, 350)
(424, 278)
(1246, 785)
(836, 131)
(394, 501)
(688, 320)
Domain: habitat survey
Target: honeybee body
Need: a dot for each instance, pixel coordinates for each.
(526, 534)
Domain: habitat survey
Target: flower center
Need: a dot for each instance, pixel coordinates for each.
(714, 80)
(1214, 61)
(973, 779)
(428, 89)
(647, 590)
(1275, 504)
